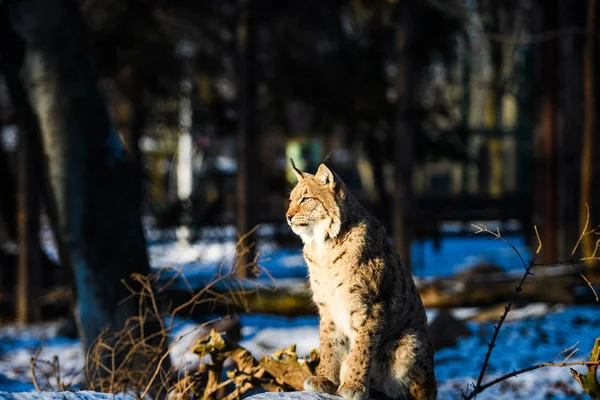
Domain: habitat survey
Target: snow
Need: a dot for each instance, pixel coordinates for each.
(532, 334)
(181, 353)
(214, 251)
(536, 333)
(261, 335)
(456, 254)
(19, 343)
(82, 395)
(522, 342)
(212, 255)
(268, 340)
(202, 261)
(462, 313)
(294, 396)
(532, 310)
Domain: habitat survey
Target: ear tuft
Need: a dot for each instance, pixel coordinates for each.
(299, 174)
(325, 176)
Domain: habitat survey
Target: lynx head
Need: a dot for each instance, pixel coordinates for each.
(314, 210)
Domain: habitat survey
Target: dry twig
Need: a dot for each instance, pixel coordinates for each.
(283, 371)
(134, 360)
(588, 381)
(50, 371)
(478, 387)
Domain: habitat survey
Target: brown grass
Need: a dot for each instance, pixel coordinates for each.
(135, 361)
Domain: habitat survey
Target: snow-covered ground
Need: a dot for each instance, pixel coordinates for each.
(533, 334)
(213, 253)
(79, 395)
(537, 334)
(18, 344)
(204, 259)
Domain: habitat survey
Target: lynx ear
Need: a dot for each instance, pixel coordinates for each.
(297, 172)
(326, 177)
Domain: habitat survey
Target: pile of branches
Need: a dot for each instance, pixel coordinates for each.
(281, 372)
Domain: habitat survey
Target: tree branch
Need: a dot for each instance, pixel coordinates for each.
(482, 229)
(532, 368)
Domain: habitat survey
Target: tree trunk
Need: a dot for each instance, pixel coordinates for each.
(8, 210)
(495, 141)
(248, 159)
(403, 137)
(589, 130)
(545, 144)
(132, 121)
(465, 109)
(12, 49)
(185, 147)
(374, 148)
(90, 176)
(11, 55)
(28, 283)
(568, 141)
(138, 123)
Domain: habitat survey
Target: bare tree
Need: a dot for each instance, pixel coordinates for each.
(248, 160)
(90, 175)
(545, 194)
(590, 129)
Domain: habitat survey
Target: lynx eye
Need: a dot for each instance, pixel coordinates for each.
(305, 200)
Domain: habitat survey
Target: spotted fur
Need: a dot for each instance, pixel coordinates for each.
(373, 327)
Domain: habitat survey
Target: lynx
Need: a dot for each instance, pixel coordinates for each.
(373, 327)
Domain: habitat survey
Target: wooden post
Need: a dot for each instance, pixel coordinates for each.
(589, 129)
(545, 144)
(524, 129)
(28, 185)
(248, 164)
(496, 94)
(570, 132)
(466, 108)
(28, 215)
(185, 146)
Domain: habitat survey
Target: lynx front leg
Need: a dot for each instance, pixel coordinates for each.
(365, 327)
(327, 379)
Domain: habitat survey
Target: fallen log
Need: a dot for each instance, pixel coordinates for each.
(558, 284)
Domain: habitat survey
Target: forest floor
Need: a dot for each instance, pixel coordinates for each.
(532, 334)
(536, 333)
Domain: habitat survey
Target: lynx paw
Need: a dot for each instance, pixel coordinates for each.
(315, 384)
(352, 391)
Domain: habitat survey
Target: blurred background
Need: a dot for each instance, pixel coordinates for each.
(141, 134)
